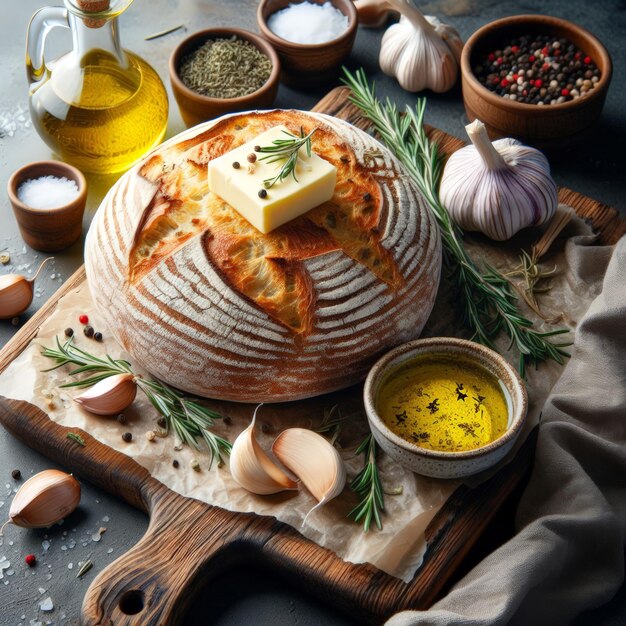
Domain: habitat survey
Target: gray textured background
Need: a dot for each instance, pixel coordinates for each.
(243, 595)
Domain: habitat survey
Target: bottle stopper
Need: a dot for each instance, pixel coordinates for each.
(93, 6)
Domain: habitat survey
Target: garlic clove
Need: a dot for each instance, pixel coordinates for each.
(497, 188)
(253, 469)
(16, 293)
(109, 396)
(314, 460)
(45, 499)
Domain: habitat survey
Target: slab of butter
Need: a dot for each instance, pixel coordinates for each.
(286, 199)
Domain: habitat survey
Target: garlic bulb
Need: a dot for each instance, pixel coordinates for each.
(253, 469)
(44, 499)
(16, 292)
(372, 13)
(109, 396)
(497, 188)
(314, 460)
(420, 51)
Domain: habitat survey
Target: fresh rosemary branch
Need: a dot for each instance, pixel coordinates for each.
(488, 301)
(187, 418)
(366, 484)
(286, 150)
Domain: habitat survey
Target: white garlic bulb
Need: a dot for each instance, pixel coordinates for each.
(420, 51)
(497, 188)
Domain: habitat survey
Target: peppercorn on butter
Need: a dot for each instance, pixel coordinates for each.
(241, 183)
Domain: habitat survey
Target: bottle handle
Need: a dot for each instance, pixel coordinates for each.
(42, 22)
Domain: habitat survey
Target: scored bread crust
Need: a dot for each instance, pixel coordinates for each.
(208, 304)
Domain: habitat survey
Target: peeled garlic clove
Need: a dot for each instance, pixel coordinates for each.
(253, 469)
(109, 396)
(420, 51)
(372, 13)
(497, 188)
(16, 293)
(314, 460)
(45, 499)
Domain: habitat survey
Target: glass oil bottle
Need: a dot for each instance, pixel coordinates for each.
(98, 107)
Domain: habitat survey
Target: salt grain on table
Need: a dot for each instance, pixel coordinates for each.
(47, 605)
(47, 192)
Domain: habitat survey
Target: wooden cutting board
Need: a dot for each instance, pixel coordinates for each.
(188, 541)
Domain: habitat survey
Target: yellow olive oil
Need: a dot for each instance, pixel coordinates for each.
(444, 403)
(100, 115)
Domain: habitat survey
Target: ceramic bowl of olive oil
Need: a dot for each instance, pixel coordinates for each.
(445, 407)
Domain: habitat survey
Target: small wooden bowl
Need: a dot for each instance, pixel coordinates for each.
(437, 463)
(309, 65)
(195, 107)
(49, 230)
(549, 127)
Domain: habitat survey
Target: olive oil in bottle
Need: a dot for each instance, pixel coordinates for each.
(99, 107)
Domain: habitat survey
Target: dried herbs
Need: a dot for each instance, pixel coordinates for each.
(225, 68)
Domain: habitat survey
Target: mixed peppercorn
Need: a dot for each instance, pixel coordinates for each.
(538, 69)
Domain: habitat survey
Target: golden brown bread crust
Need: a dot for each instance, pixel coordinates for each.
(161, 218)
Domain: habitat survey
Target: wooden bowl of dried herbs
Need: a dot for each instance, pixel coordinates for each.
(223, 70)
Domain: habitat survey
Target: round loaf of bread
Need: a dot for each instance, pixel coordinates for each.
(210, 305)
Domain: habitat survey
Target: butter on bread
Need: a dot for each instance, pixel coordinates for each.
(209, 304)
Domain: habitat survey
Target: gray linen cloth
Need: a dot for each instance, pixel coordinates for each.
(568, 551)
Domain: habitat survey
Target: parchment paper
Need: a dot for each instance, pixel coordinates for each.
(398, 549)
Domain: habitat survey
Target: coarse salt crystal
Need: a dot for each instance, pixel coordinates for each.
(47, 192)
(308, 23)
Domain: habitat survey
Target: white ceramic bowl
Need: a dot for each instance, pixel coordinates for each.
(436, 463)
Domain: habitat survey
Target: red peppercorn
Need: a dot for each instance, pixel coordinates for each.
(31, 560)
(565, 92)
(538, 83)
(495, 80)
(577, 56)
(557, 52)
(531, 58)
(504, 83)
(545, 51)
(587, 60)
(545, 67)
(491, 57)
(83, 319)
(515, 77)
(514, 48)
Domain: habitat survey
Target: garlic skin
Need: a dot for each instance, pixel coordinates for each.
(372, 13)
(45, 499)
(16, 292)
(252, 469)
(314, 460)
(497, 188)
(109, 396)
(420, 51)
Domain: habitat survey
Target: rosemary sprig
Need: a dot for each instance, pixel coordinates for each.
(488, 301)
(367, 486)
(188, 419)
(286, 150)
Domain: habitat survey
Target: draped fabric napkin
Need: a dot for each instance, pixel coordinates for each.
(568, 551)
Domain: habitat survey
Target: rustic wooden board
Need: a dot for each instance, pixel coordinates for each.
(188, 542)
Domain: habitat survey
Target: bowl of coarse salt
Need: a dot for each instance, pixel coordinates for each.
(312, 38)
(48, 200)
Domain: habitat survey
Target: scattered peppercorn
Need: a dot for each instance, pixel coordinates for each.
(175, 463)
(127, 437)
(265, 428)
(251, 157)
(162, 422)
(15, 321)
(257, 148)
(262, 193)
(236, 165)
(226, 420)
(31, 560)
(83, 319)
(88, 330)
(16, 474)
(195, 465)
(538, 69)
(121, 418)
(69, 332)
(97, 336)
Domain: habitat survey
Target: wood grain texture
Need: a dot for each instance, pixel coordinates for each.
(189, 542)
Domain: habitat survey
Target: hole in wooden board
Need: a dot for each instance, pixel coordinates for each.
(131, 602)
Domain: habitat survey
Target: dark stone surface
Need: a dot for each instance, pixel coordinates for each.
(251, 595)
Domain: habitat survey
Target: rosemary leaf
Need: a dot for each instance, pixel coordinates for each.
(77, 438)
(488, 304)
(189, 420)
(367, 486)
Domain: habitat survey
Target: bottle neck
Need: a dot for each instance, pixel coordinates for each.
(102, 35)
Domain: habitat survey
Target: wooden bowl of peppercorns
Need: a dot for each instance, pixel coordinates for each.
(223, 70)
(540, 79)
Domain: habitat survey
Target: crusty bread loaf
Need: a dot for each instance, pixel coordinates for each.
(210, 305)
